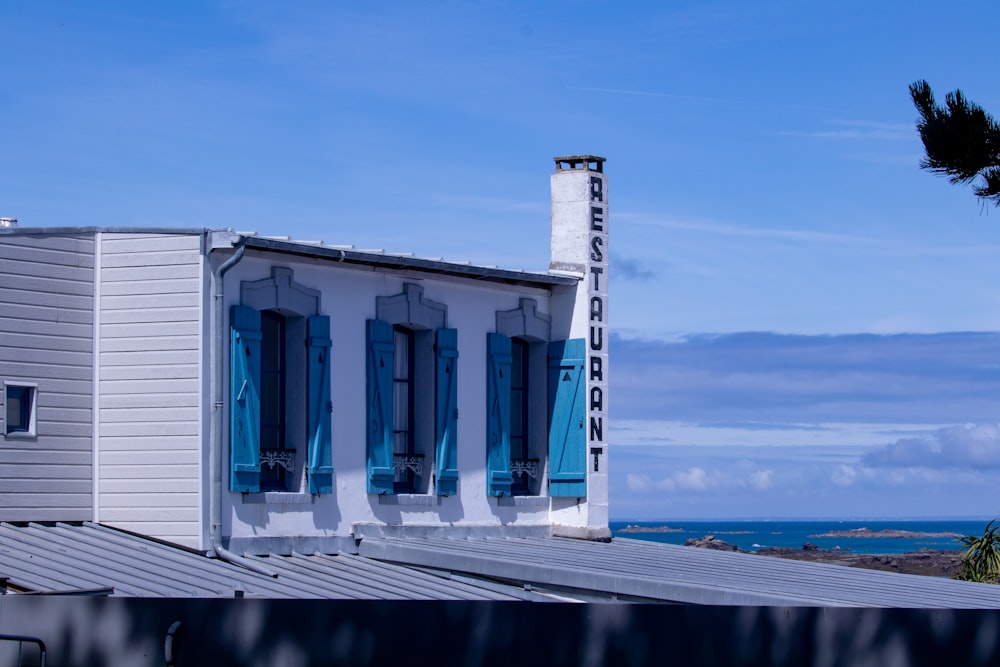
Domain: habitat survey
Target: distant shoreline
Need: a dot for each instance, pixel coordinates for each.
(649, 529)
(890, 533)
(884, 533)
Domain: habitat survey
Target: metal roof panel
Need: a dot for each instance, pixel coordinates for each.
(671, 573)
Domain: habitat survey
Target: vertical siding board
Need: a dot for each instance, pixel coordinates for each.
(45, 337)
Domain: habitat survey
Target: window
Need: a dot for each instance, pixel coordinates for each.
(515, 406)
(279, 389)
(19, 416)
(517, 424)
(412, 396)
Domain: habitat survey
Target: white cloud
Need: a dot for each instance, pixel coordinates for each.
(804, 481)
(973, 446)
(761, 479)
(843, 475)
(637, 483)
(828, 436)
(692, 479)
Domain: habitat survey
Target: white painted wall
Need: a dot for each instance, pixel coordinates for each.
(348, 297)
(150, 377)
(46, 310)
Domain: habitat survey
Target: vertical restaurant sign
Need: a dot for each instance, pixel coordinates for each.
(597, 293)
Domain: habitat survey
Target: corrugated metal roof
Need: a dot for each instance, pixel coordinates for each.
(636, 569)
(340, 253)
(399, 261)
(92, 559)
(81, 558)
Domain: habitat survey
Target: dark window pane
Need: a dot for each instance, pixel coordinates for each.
(272, 396)
(517, 360)
(18, 409)
(402, 391)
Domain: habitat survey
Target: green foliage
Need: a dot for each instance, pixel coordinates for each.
(960, 139)
(981, 559)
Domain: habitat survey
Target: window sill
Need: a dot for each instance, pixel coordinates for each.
(523, 501)
(20, 435)
(409, 499)
(277, 498)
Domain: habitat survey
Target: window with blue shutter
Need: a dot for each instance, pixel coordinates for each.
(379, 388)
(567, 432)
(498, 361)
(319, 405)
(446, 412)
(244, 404)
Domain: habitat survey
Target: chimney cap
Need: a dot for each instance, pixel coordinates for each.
(579, 162)
(8, 222)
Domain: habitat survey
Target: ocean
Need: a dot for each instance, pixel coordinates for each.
(755, 535)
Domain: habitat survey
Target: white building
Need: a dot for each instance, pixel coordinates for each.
(333, 423)
(233, 392)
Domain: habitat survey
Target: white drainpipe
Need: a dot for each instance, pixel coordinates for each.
(215, 458)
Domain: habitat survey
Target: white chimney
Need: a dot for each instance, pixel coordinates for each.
(579, 245)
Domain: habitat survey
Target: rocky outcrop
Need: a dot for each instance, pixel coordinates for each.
(709, 542)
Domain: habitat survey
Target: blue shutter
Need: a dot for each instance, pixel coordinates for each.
(379, 399)
(244, 399)
(498, 361)
(567, 432)
(446, 412)
(319, 405)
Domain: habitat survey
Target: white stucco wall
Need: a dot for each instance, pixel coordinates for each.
(348, 297)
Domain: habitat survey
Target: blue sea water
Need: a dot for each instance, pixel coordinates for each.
(755, 535)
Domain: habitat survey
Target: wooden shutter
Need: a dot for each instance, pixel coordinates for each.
(567, 432)
(244, 399)
(446, 412)
(379, 401)
(319, 405)
(498, 361)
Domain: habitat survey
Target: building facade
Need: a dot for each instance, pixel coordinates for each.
(232, 392)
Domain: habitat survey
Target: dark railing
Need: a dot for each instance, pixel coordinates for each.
(412, 462)
(527, 467)
(278, 457)
(522, 471)
(33, 656)
(408, 467)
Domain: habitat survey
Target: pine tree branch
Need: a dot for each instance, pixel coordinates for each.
(961, 141)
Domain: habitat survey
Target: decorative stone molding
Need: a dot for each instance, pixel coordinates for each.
(411, 309)
(525, 322)
(280, 292)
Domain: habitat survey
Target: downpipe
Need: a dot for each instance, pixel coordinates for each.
(215, 446)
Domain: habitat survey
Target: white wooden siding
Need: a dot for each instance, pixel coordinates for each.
(46, 337)
(149, 381)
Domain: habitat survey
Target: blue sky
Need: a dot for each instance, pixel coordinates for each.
(763, 178)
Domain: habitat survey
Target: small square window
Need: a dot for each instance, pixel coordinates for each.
(19, 413)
